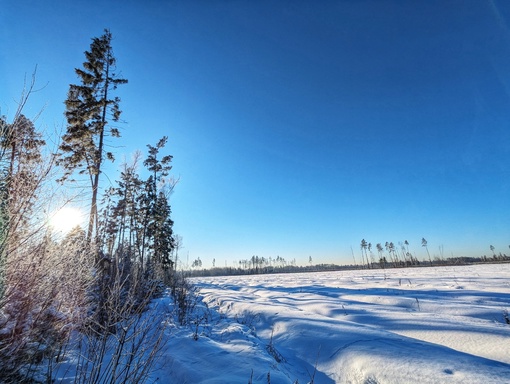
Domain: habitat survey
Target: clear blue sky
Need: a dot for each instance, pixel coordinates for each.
(298, 127)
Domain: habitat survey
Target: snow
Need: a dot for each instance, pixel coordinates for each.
(415, 325)
(427, 325)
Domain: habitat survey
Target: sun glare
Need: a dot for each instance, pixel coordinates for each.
(66, 219)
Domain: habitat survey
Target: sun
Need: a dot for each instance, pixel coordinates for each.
(66, 219)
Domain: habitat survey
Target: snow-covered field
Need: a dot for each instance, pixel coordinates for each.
(419, 325)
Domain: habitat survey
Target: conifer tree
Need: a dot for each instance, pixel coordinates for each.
(163, 242)
(90, 109)
(136, 216)
(424, 243)
(363, 246)
(157, 225)
(159, 168)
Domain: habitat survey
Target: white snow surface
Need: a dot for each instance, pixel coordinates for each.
(414, 325)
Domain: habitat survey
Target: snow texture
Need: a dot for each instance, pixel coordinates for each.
(426, 325)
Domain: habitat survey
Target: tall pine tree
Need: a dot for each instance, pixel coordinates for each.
(158, 225)
(158, 228)
(90, 108)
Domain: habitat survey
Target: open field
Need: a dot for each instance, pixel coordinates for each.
(427, 325)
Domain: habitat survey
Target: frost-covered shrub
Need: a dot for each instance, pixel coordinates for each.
(45, 298)
(122, 348)
(185, 297)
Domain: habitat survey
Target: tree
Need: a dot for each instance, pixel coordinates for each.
(408, 254)
(363, 247)
(21, 176)
(21, 172)
(157, 222)
(382, 259)
(394, 258)
(119, 221)
(369, 247)
(89, 110)
(163, 242)
(424, 244)
(379, 251)
(197, 263)
(390, 248)
(20, 146)
(135, 224)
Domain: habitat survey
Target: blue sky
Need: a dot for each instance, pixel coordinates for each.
(298, 128)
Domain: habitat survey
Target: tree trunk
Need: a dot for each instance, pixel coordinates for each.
(93, 219)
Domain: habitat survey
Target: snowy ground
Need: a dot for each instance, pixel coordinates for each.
(420, 325)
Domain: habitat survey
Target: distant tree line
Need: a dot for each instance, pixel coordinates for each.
(234, 271)
(228, 271)
(398, 256)
(388, 256)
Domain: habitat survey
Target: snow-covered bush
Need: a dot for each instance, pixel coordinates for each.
(120, 348)
(185, 297)
(45, 298)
